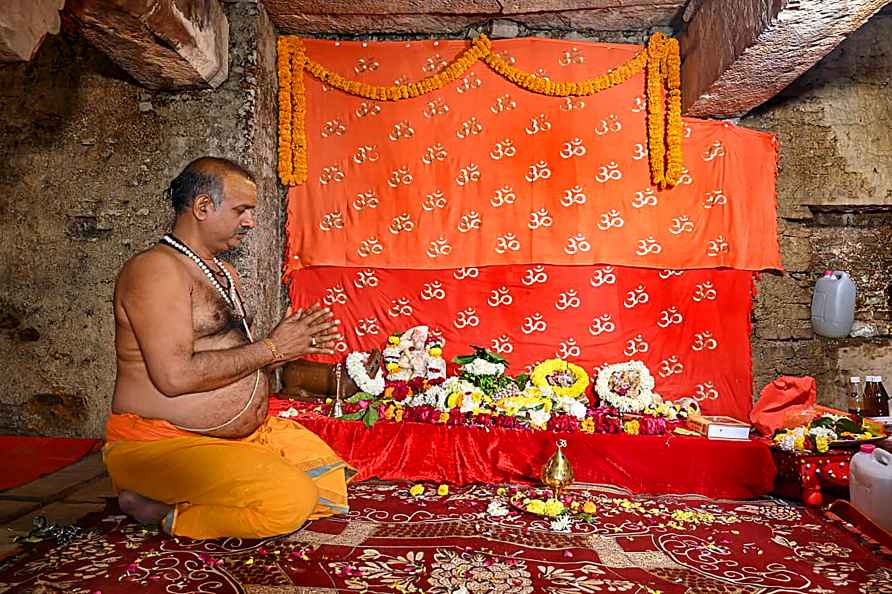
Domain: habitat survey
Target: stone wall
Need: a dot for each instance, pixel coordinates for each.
(85, 157)
(834, 198)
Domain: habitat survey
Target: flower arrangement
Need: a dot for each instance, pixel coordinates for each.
(356, 370)
(627, 386)
(824, 430)
(561, 378)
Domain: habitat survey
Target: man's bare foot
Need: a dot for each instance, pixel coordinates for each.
(142, 509)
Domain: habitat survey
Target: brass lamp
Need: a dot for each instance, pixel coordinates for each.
(557, 472)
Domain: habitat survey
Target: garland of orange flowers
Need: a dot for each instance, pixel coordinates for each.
(660, 57)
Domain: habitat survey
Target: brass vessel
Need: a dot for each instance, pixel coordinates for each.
(557, 472)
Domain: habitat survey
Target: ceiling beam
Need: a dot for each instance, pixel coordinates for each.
(737, 54)
(24, 24)
(163, 44)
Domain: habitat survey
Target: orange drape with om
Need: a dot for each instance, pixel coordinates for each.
(482, 172)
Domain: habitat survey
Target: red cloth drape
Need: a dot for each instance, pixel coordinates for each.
(463, 455)
(691, 328)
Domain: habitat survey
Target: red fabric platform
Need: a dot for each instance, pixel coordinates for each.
(28, 458)
(462, 455)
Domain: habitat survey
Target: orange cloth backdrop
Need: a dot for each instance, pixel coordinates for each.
(483, 172)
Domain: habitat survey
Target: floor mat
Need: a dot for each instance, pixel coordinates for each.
(448, 544)
(28, 458)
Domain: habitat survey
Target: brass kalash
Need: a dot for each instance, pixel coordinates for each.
(557, 472)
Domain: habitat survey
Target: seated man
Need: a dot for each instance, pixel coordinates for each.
(189, 441)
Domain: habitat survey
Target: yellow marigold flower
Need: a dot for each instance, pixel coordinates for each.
(589, 507)
(398, 415)
(394, 340)
(632, 427)
(435, 351)
(822, 443)
(443, 417)
(391, 367)
(588, 425)
(416, 490)
(553, 507)
(455, 399)
(388, 413)
(536, 506)
(501, 491)
(443, 490)
(799, 444)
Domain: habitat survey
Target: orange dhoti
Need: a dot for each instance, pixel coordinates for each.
(266, 484)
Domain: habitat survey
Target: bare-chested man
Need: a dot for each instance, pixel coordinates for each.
(189, 440)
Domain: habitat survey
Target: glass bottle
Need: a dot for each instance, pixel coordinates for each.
(876, 399)
(856, 397)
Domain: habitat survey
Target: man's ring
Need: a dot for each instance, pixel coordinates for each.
(312, 341)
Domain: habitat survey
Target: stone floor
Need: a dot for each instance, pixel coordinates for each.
(63, 496)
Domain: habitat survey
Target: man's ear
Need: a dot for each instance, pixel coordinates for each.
(202, 206)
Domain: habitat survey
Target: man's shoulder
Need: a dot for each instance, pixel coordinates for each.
(156, 263)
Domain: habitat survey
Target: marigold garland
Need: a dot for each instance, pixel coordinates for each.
(660, 57)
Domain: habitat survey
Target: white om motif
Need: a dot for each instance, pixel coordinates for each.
(669, 317)
(715, 198)
(434, 63)
(603, 276)
(366, 326)
(507, 243)
(636, 296)
(503, 103)
(703, 341)
(332, 220)
(502, 344)
(439, 247)
(332, 127)
(534, 275)
(568, 299)
(648, 245)
(574, 195)
(472, 127)
(568, 349)
(331, 175)
(465, 318)
(644, 198)
(573, 148)
(571, 56)
(681, 225)
(667, 273)
(601, 325)
(366, 154)
(341, 346)
(609, 172)
(365, 64)
(365, 278)
(400, 176)
(402, 222)
(433, 291)
(370, 247)
(706, 391)
(705, 292)
(469, 83)
(504, 149)
(538, 124)
(500, 296)
(434, 201)
(610, 219)
(540, 218)
(685, 178)
(503, 196)
(717, 246)
(334, 295)
(611, 124)
(463, 273)
(401, 130)
(469, 222)
(636, 345)
(715, 150)
(366, 200)
(367, 109)
(436, 107)
(468, 174)
(572, 104)
(538, 171)
(640, 152)
(639, 104)
(670, 366)
(577, 244)
(433, 153)
(534, 323)
(400, 307)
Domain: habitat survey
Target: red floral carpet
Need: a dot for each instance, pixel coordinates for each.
(393, 542)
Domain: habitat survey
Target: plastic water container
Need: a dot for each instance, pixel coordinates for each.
(833, 304)
(870, 484)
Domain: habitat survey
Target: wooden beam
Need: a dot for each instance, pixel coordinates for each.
(24, 24)
(737, 54)
(163, 44)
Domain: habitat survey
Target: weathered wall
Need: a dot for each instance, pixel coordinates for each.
(835, 212)
(85, 157)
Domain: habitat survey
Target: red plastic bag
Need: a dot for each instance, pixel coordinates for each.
(786, 402)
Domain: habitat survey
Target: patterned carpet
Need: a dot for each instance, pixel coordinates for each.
(393, 542)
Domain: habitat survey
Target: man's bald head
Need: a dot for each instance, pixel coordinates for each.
(205, 175)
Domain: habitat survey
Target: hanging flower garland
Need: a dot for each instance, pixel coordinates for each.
(660, 57)
(627, 386)
(561, 378)
(356, 370)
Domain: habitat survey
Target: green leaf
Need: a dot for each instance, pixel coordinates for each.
(359, 396)
(522, 380)
(464, 359)
(371, 416)
(847, 424)
(354, 416)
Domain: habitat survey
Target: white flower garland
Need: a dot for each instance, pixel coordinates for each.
(629, 404)
(356, 370)
(483, 367)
